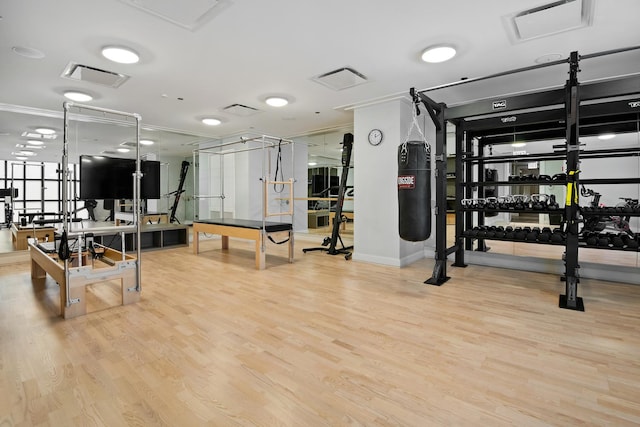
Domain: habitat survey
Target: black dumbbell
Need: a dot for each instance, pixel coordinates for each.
(482, 232)
(545, 235)
(520, 233)
(617, 241)
(509, 233)
(633, 243)
(491, 232)
(544, 178)
(559, 177)
(603, 241)
(499, 232)
(532, 235)
(473, 232)
(557, 236)
(591, 239)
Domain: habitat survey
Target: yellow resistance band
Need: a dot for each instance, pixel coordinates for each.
(571, 190)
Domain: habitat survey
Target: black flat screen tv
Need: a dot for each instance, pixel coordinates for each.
(106, 178)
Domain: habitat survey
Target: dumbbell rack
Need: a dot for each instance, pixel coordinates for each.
(473, 137)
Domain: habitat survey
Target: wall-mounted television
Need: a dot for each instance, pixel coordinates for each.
(104, 178)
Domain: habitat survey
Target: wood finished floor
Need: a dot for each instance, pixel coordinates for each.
(321, 342)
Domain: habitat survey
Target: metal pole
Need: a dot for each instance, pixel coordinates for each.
(65, 213)
(137, 207)
(529, 68)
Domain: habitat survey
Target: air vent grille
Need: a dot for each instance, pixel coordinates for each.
(189, 15)
(552, 18)
(241, 110)
(340, 79)
(85, 73)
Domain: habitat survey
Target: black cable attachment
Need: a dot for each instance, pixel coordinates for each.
(279, 169)
(279, 243)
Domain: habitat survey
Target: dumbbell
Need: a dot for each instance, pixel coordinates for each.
(520, 233)
(544, 178)
(473, 232)
(603, 240)
(633, 243)
(559, 177)
(557, 236)
(591, 239)
(482, 232)
(509, 233)
(491, 232)
(617, 241)
(545, 235)
(499, 232)
(532, 235)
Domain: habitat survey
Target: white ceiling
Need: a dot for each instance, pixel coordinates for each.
(245, 50)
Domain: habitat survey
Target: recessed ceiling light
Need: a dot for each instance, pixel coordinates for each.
(518, 144)
(21, 158)
(121, 55)
(210, 121)
(28, 52)
(312, 163)
(437, 54)
(606, 136)
(147, 142)
(78, 96)
(122, 150)
(98, 157)
(46, 131)
(26, 153)
(34, 142)
(277, 101)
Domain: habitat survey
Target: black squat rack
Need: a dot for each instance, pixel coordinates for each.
(554, 113)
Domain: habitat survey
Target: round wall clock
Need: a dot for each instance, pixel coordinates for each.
(375, 137)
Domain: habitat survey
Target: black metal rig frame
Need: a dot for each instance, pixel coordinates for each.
(332, 249)
(558, 115)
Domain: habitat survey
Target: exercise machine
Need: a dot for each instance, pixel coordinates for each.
(329, 244)
(178, 192)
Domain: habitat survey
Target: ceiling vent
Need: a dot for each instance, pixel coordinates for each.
(552, 18)
(35, 135)
(339, 79)
(85, 73)
(189, 15)
(241, 110)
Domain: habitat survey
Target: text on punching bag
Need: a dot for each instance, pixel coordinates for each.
(406, 182)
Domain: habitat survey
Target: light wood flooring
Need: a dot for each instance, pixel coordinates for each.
(320, 342)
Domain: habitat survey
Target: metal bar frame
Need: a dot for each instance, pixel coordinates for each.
(553, 99)
(266, 142)
(137, 175)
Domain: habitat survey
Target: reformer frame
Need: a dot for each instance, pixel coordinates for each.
(567, 103)
(266, 143)
(73, 279)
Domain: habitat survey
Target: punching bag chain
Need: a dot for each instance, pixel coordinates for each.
(414, 124)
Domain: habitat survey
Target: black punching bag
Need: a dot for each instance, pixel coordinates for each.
(414, 191)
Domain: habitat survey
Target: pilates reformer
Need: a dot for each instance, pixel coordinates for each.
(69, 264)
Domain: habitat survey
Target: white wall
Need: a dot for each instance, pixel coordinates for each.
(376, 237)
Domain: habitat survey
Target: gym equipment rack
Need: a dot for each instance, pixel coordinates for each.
(550, 114)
